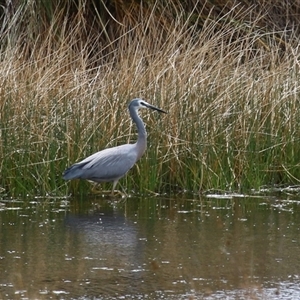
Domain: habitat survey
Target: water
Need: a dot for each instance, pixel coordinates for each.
(150, 248)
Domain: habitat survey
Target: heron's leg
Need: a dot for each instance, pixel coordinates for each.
(95, 189)
(122, 194)
(113, 187)
(112, 192)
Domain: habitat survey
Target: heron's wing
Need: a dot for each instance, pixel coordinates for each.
(106, 165)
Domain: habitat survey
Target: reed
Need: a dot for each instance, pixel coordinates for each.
(231, 90)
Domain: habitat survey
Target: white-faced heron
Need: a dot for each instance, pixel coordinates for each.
(111, 164)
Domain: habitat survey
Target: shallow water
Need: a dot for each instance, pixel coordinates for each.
(150, 248)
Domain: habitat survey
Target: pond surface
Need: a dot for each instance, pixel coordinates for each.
(150, 248)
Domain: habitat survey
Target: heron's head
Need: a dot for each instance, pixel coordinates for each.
(138, 103)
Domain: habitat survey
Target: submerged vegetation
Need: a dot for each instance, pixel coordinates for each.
(227, 74)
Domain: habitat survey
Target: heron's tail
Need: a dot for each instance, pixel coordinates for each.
(73, 172)
(69, 173)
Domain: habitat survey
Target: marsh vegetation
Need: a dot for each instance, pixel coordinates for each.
(227, 74)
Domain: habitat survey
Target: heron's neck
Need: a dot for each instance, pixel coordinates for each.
(141, 143)
(142, 135)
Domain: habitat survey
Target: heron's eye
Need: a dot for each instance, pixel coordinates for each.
(143, 103)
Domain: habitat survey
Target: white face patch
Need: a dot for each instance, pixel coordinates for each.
(143, 104)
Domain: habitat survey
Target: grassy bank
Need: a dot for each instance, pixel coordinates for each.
(231, 90)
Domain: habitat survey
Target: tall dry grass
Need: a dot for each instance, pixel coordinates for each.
(231, 90)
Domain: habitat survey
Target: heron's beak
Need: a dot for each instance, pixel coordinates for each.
(155, 108)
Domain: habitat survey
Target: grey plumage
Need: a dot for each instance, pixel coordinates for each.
(111, 164)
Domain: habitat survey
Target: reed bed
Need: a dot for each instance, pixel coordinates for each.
(230, 89)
